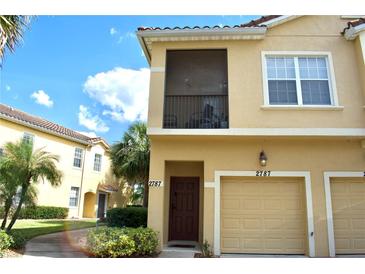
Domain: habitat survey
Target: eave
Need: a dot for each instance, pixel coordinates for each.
(146, 38)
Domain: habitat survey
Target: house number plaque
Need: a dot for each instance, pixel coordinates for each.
(155, 183)
(263, 173)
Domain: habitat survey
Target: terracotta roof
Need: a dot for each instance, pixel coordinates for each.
(354, 23)
(253, 23)
(25, 118)
(260, 21)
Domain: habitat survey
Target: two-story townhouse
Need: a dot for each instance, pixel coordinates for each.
(88, 186)
(258, 135)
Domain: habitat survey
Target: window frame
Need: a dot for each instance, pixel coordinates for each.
(81, 160)
(331, 78)
(26, 135)
(77, 197)
(100, 162)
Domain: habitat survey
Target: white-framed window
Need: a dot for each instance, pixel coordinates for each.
(97, 162)
(28, 138)
(78, 157)
(74, 196)
(298, 79)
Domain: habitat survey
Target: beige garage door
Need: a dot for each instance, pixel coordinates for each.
(263, 215)
(348, 206)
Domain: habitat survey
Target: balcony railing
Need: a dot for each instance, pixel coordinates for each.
(196, 111)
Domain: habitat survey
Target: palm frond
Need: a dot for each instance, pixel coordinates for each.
(11, 31)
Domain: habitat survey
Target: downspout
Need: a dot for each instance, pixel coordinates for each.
(82, 180)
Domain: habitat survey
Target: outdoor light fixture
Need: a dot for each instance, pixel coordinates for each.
(263, 158)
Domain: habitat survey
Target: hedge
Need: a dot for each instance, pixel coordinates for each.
(43, 212)
(40, 212)
(127, 217)
(114, 242)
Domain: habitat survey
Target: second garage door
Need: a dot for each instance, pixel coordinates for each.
(263, 215)
(348, 207)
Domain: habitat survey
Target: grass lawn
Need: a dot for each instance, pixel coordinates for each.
(32, 228)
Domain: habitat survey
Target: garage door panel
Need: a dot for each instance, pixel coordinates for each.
(348, 203)
(271, 216)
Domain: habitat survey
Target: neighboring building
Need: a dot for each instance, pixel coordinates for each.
(258, 135)
(88, 186)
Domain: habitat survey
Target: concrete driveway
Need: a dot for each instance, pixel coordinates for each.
(67, 244)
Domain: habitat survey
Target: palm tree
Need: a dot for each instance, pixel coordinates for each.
(131, 157)
(30, 166)
(11, 31)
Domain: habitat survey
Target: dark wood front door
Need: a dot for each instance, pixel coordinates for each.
(184, 209)
(101, 205)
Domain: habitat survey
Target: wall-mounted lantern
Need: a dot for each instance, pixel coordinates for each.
(263, 158)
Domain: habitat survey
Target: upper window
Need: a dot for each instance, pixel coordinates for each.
(298, 80)
(97, 162)
(78, 157)
(28, 138)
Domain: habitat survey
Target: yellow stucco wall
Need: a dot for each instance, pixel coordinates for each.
(315, 155)
(245, 91)
(72, 176)
(245, 88)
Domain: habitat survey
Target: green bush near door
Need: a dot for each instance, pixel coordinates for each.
(114, 242)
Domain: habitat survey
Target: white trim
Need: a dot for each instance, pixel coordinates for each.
(352, 16)
(308, 189)
(209, 184)
(327, 175)
(353, 32)
(312, 132)
(303, 107)
(157, 69)
(296, 54)
(146, 37)
(362, 44)
(280, 20)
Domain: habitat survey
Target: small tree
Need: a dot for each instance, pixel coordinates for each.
(131, 157)
(29, 166)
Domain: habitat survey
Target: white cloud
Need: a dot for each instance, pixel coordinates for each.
(124, 92)
(126, 35)
(90, 121)
(42, 98)
(8, 88)
(90, 134)
(113, 31)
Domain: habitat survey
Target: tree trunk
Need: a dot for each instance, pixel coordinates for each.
(6, 212)
(17, 211)
(145, 194)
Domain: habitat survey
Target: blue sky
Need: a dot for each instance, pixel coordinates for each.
(87, 73)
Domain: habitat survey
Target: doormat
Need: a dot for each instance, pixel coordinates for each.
(182, 245)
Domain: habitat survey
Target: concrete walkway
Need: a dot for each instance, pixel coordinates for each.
(67, 244)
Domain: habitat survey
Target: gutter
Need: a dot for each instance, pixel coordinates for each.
(353, 32)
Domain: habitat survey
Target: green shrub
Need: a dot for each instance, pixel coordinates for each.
(113, 242)
(127, 217)
(19, 240)
(145, 240)
(5, 242)
(43, 212)
(109, 243)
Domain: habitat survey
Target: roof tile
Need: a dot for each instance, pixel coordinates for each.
(21, 116)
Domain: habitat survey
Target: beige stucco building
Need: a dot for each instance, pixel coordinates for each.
(88, 186)
(258, 135)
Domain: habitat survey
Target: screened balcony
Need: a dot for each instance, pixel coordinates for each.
(196, 94)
